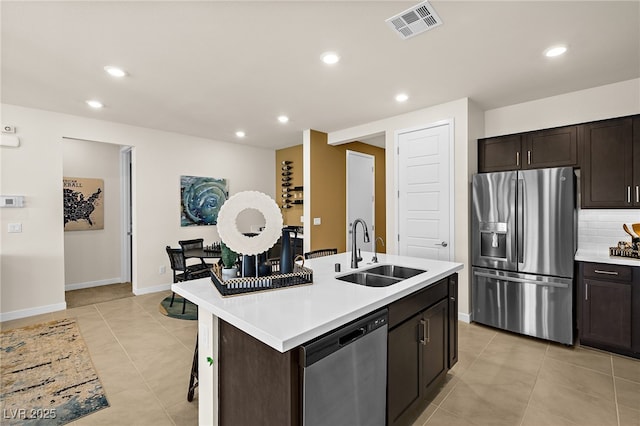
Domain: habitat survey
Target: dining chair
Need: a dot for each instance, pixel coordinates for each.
(182, 272)
(320, 252)
(195, 244)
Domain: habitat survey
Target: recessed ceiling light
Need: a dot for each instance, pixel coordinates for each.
(330, 58)
(402, 97)
(555, 51)
(115, 71)
(283, 119)
(240, 134)
(95, 104)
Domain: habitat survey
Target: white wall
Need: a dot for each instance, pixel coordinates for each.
(32, 264)
(93, 257)
(465, 154)
(597, 103)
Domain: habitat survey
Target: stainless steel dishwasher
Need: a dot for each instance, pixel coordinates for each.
(345, 375)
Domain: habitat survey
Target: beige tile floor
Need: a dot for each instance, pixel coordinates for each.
(144, 359)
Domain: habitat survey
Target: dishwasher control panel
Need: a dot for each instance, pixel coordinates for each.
(377, 322)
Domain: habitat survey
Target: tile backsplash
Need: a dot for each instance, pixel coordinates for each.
(600, 229)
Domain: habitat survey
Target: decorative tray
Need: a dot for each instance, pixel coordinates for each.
(243, 285)
(624, 252)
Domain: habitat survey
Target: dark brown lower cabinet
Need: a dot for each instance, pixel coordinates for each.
(419, 349)
(607, 313)
(453, 320)
(610, 298)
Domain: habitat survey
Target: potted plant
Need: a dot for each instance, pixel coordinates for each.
(229, 259)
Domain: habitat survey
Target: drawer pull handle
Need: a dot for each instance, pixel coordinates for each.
(528, 157)
(629, 194)
(597, 271)
(517, 159)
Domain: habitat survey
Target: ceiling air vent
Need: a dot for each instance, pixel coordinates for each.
(415, 20)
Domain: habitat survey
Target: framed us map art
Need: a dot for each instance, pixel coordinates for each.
(83, 200)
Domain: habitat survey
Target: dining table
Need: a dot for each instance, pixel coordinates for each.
(202, 253)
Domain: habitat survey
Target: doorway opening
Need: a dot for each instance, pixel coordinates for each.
(97, 253)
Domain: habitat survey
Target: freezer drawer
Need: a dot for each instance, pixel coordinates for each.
(534, 305)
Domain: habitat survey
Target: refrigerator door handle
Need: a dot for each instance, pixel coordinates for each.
(512, 251)
(520, 280)
(520, 221)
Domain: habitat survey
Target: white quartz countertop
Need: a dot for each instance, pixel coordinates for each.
(598, 255)
(286, 318)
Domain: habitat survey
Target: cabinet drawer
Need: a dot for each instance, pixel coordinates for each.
(605, 271)
(407, 307)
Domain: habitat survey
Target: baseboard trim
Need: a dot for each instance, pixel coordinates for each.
(90, 284)
(464, 317)
(24, 313)
(155, 289)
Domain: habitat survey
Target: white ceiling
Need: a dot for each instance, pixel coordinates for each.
(209, 68)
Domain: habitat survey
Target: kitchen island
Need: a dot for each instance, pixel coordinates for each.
(281, 320)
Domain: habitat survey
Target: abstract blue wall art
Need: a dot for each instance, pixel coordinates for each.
(201, 199)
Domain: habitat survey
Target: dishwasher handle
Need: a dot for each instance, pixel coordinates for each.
(352, 336)
(323, 346)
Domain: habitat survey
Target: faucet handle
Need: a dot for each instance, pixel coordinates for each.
(359, 256)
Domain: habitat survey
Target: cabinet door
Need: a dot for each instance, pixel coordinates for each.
(607, 164)
(434, 339)
(606, 313)
(499, 154)
(636, 162)
(551, 148)
(403, 375)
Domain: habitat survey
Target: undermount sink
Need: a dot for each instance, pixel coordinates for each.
(394, 271)
(369, 280)
(381, 275)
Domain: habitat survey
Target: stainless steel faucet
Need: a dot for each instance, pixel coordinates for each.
(354, 256)
(375, 253)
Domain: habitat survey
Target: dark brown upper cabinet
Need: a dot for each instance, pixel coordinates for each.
(636, 162)
(544, 148)
(608, 164)
(499, 154)
(551, 148)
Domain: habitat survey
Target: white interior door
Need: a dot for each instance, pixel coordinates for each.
(424, 191)
(361, 196)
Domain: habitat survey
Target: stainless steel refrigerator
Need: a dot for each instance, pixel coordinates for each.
(523, 246)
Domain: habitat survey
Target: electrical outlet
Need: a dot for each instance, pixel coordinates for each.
(162, 270)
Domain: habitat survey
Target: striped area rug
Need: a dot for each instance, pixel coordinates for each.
(47, 376)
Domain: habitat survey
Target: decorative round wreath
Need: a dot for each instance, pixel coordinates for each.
(228, 228)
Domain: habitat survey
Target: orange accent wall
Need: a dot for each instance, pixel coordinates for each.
(292, 215)
(328, 191)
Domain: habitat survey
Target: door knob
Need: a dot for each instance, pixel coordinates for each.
(443, 244)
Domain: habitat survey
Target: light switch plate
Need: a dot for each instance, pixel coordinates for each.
(317, 221)
(14, 227)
